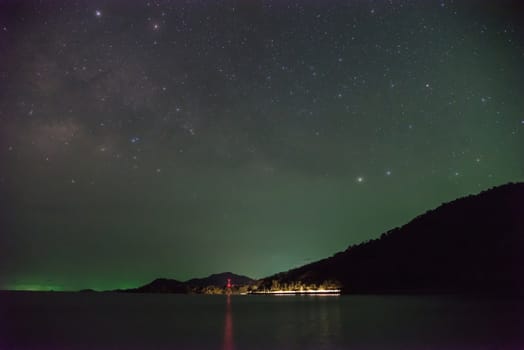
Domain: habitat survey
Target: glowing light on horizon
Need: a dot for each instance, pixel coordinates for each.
(305, 291)
(34, 288)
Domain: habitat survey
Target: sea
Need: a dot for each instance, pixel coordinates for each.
(60, 321)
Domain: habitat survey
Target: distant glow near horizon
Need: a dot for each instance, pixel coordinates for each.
(182, 139)
(33, 288)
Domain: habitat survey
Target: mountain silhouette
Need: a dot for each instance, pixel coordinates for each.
(473, 244)
(161, 285)
(219, 280)
(165, 285)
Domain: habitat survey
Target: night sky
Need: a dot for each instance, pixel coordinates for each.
(188, 137)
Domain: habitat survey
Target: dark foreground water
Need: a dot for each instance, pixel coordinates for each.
(141, 321)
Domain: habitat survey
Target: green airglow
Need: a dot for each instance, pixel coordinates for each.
(270, 137)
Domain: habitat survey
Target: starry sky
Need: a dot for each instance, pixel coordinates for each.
(144, 139)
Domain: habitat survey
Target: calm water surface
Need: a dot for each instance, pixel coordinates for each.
(148, 321)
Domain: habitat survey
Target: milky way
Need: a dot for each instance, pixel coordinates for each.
(183, 138)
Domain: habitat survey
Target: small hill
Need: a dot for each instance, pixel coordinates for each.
(161, 285)
(219, 280)
(473, 244)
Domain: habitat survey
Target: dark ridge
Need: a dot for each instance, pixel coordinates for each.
(473, 244)
(161, 285)
(164, 285)
(219, 280)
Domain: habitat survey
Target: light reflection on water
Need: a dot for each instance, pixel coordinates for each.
(228, 327)
(81, 321)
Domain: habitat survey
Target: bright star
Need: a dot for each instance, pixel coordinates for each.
(388, 172)
(360, 179)
(98, 13)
